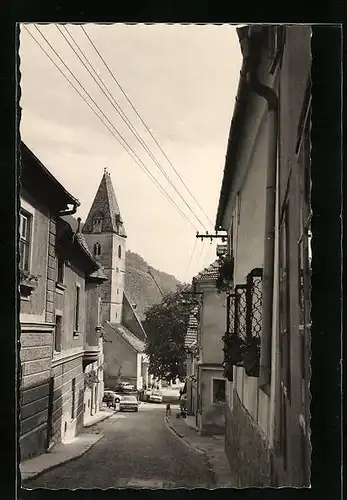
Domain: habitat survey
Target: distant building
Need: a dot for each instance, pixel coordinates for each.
(124, 335)
(78, 309)
(192, 355)
(205, 380)
(57, 275)
(265, 207)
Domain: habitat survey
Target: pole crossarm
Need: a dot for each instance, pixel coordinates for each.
(211, 236)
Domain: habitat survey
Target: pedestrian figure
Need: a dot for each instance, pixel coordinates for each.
(168, 410)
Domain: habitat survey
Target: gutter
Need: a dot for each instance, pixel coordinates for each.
(69, 211)
(255, 46)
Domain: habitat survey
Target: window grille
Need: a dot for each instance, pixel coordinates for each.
(254, 302)
(240, 316)
(244, 324)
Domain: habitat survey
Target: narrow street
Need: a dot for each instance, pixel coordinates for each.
(137, 451)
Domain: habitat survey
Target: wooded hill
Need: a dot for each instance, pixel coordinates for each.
(143, 283)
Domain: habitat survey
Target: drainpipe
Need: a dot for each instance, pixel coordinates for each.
(254, 59)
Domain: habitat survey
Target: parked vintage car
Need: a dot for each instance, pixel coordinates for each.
(156, 397)
(128, 402)
(111, 397)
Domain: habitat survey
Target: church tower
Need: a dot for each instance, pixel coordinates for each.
(105, 234)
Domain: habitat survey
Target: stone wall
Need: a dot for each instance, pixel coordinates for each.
(64, 427)
(246, 448)
(35, 354)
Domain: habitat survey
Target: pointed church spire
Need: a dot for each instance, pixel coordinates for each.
(104, 215)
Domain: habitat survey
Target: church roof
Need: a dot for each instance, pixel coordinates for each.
(105, 207)
(129, 337)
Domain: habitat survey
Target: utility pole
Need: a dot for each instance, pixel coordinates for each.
(211, 236)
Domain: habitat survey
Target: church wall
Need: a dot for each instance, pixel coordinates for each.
(119, 359)
(114, 268)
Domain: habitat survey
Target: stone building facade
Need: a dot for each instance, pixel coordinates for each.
(58, 278)
(43, 200)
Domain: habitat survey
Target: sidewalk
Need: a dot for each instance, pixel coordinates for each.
(211, 446)
(65, 452)
(60, 454)
(99, 417)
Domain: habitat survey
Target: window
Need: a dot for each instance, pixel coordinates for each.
(117, 291)
(24, 242)
(60, 270)
(240, 311)
(218, 390)
(119, 251)
(77, 308)
(73, 397)
(58, 333)
(97, 249)
(97, 224)
(99, 312)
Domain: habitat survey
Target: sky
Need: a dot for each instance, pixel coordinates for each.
(182, 80)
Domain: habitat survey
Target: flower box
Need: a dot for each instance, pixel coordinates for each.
(27, 283)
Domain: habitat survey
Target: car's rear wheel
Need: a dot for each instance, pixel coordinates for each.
(136, 409)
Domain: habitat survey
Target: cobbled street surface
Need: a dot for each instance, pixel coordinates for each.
(138, 451)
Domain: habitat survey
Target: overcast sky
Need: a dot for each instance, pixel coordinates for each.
(183, 81)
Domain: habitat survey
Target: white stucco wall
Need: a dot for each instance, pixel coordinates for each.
(248, 244)
(213, 325)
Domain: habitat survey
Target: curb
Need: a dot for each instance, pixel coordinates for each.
(187, 440)
(63, 462)
(86, 426)
(195, 447)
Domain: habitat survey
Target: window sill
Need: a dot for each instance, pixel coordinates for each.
(60, 287)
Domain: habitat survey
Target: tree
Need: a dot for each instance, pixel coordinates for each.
(166, 325)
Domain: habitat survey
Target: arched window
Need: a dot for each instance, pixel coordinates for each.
(97, 249)
(119, 251)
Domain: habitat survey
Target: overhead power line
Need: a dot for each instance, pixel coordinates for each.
(133, 155)
(120, 112)
(144, 124)
(191, 257)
